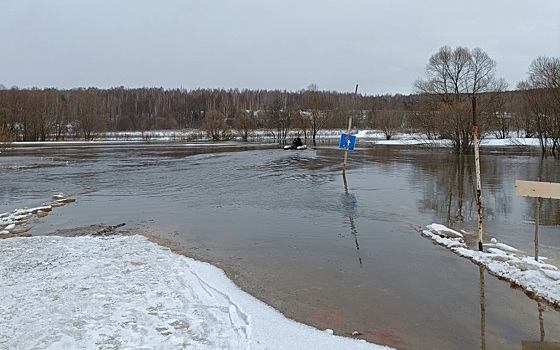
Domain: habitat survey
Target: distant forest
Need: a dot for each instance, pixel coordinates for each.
(50, 114)
(445, 112)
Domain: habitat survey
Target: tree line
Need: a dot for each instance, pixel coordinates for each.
(439, 107)
(83, 113)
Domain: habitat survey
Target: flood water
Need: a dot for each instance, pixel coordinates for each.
(285, 228)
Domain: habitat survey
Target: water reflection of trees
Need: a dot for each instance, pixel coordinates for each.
(450, 186)
(448, 180)
(547, 170)
(549, 212)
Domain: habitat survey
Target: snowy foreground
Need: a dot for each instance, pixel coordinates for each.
(125, 292)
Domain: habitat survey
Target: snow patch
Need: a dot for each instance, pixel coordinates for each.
(502, 260)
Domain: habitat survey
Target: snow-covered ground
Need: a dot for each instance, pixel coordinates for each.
(125, 292)
(362, 137)
(419, 139)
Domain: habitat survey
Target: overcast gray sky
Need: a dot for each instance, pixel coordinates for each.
(382, 45)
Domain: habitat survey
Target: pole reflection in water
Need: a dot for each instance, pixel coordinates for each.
(541, 321)
(482, 310)
(349, 204)
(541, 344)
(525, 345)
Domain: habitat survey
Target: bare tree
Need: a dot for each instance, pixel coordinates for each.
(318, 108)
(388, 121)
(300, 121)
(541, 101)
(244, 123)
(89, 113)
(277, 117)
(498, 105)
(452, 77)
(215, 125)
(6, 135)
(31, 116)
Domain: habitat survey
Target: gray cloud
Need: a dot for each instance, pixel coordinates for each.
(381, 45)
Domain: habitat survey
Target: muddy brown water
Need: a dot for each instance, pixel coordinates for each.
(284, 228)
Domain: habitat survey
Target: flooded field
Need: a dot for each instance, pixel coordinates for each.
(285, 228)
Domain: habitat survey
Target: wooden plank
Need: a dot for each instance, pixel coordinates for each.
(537, 345)
(537, 189)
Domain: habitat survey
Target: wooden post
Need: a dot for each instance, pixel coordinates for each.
(477, 166)
(539, 190)
(537, 218)
(537, 214)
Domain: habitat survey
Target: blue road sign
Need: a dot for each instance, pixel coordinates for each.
(347, 141)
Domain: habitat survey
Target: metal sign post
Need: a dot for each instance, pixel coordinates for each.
(348, 141)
